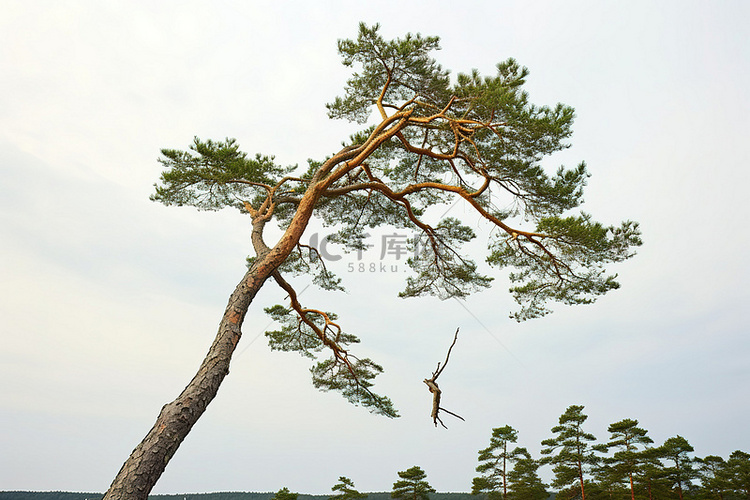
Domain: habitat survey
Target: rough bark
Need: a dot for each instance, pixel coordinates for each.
(147, 462)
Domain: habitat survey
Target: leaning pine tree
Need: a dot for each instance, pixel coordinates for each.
(433, 141)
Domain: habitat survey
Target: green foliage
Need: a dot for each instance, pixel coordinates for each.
(309, 334)
(626, 438)
(412, 485)
(295, 335)
(226, 495)
(213, 175)
(434, 141)
(738, 472)
(505, 151)
(712, 471)
(494, 463)
(307, 260)
(681, 473)
(344, 490)
(651, 476)
(523, 480)
(440, 268)
(353, 382)
(571, 270)
(406, 62)
(573, 454)
(349, 215)
(586, 245)
(285, 494)
(486, 487)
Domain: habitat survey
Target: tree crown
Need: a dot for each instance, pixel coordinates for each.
(345, 490)
(574, 454)
(476, 140)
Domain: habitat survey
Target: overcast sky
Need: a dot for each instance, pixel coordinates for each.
(108, 301)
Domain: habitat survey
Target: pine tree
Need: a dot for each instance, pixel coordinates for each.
(494, 463)
(285, 494)
(574, 456)
(433, 141)
(681, 473)
(344, 490)
(523, 481)
(412, 485)
(625, 437)
(652, 480)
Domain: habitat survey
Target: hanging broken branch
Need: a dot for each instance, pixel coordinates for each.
(435, 390)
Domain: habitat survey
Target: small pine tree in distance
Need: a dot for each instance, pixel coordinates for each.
(494, 463)
(285, 494)
(422, 139)
(344, 490)
(412, 485)
(626, 438)
(569, 451)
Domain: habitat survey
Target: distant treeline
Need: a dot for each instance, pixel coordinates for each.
(625, 466)
(229, 495)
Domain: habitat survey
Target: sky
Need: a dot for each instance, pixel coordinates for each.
(109, 301)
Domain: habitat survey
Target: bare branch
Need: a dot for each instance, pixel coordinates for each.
(447, 356)
(435, 390)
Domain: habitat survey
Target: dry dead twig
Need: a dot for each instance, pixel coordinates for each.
(435, 390)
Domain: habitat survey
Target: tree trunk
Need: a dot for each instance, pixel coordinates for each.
(146, 464)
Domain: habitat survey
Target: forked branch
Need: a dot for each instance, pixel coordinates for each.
(435, 390)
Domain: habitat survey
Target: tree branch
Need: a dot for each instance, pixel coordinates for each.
(339, 354)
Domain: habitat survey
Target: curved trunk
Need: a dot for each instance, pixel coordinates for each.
(147, 462)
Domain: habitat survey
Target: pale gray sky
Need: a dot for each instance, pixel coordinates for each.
(109, 301)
